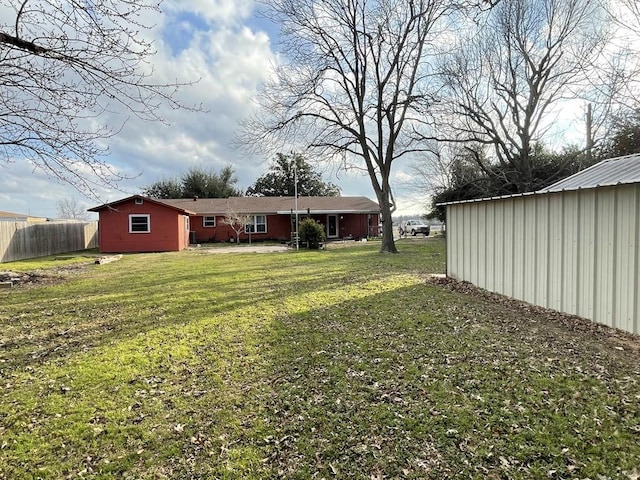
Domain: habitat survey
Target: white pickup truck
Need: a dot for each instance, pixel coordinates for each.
(414, 227)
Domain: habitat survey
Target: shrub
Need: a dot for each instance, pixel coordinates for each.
(311, 232)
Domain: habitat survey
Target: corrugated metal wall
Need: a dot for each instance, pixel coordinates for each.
(577, 252)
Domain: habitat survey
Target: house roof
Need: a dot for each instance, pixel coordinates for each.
(12, 215)
(114, 205)
(614, 171)
(21, 217)
(607, 173)
(275, 205)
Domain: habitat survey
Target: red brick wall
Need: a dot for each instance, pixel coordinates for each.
(168, 232)
(278, 228)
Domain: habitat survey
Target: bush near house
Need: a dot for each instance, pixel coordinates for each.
(312, 233)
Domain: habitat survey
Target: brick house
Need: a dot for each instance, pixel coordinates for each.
(137, 223)
(140, 224)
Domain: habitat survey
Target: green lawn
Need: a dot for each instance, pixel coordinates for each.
(341, 364)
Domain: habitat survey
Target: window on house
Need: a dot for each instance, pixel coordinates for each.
(139, 223)
(208, 221)
(138, 201)
(256, 224)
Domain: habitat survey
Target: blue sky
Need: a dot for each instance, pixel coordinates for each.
(230, 48)
(180, 30)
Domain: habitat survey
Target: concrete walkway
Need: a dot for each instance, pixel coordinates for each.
(246, 249)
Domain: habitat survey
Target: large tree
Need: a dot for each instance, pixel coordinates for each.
(288, 174)
(623, 66)
(507, 79)
(354, 84)
(196, 182)
(466, 180)
(63, 65)
(625, 137)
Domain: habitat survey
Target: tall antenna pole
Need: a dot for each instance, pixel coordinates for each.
(295, 189)
(588, 153)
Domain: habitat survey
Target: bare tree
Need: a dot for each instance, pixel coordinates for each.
(505, 80)
(624, 13)
(70, 208)
(432, 171)
(620, 69)
(354, 86)
(238, 223)
(63, 65)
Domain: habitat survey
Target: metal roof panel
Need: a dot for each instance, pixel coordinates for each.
(610, 172)
(607, 173)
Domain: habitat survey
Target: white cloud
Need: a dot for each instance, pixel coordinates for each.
(229, 62)
(26, 190)
(228, 50)
(221, 11)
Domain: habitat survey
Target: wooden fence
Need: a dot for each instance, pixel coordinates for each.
(22, 240)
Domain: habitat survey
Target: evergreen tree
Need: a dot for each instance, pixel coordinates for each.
(625, 139)
(196, 182)
(281, 179)
(467, 180)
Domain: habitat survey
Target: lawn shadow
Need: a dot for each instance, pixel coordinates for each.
(119, 301)
(417, 382)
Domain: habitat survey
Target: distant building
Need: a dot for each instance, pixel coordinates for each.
(19, 217)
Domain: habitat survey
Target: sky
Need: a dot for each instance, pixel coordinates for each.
(230, 49)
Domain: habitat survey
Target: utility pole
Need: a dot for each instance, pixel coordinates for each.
(295, 190)
(588, 152)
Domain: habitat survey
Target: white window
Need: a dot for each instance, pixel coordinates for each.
(208, 221)
(256, 224)
(138, 201)
(140, 223)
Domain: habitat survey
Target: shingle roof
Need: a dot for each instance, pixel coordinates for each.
(614, 171)
(152, 200)
(12, 215)
(275, 205)
(17, 216)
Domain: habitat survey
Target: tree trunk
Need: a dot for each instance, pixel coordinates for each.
(388, 244)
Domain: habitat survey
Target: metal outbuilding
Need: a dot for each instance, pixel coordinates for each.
(572, 247)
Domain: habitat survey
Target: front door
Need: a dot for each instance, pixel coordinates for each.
(332, 226)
